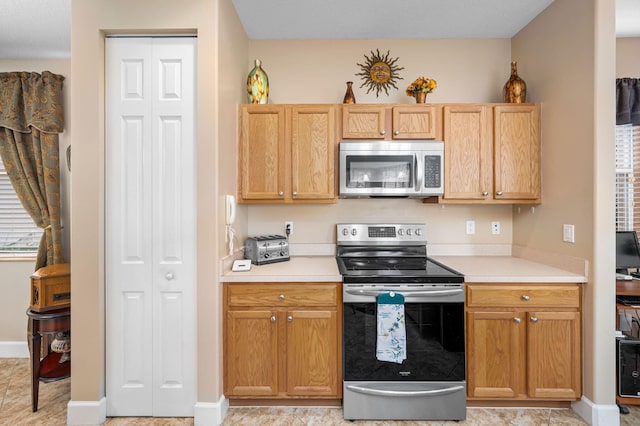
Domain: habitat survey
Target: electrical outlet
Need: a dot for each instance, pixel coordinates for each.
(471, 227)
(495, 228)
(568, 233)
(288, 227)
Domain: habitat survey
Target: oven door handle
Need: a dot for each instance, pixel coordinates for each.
(409, 293)
(381, 392)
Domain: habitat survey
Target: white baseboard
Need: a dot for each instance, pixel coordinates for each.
(87, 412)
(597, 414)
(14, 350)
(210, 413)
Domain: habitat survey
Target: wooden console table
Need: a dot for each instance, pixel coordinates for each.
(49, 368)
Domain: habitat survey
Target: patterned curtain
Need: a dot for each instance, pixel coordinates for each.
(628, 101)
(31, 117)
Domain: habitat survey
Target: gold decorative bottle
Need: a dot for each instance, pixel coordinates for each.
(515, 89)
(257, 85)
(349, 97)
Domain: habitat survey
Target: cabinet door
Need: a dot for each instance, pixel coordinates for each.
(554, 348)
(251, 353)
(312, 353)
(313, 152)
(262, 153)
(414, 122)
(363, 122)
(517, 152)
(495, 354)
(468, 162)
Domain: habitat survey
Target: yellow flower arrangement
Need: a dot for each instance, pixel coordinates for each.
(421, 85)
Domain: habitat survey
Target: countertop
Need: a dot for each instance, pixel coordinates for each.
(493, 269)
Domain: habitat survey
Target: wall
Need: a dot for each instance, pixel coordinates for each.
(14, 285)
(219, 33)
(568, 63)
(627, 58)
(315, 71)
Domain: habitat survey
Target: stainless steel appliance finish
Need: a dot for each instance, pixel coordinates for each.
(266, 249)
(391, 169)
(430, 383)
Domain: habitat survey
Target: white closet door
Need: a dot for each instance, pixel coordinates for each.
(150, 227)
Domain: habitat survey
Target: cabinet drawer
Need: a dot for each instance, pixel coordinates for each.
(278, 294)
(522, 296)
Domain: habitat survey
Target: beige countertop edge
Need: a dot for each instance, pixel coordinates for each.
(477, 269)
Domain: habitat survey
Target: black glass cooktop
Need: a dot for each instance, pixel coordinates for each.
(380, 264)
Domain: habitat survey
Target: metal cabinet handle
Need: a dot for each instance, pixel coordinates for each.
(525, 298)
(281, 297)
(281, 193)
(534, 319)
(169, 276)
(295, 193)
(382, 132)
(517, 320)
(289, 318)
(499, 193)
(397, 132)
(485, 193)
(273, 318)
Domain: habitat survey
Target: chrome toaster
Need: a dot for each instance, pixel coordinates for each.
(266, 249)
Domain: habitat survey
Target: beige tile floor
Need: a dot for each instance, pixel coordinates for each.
(15, 410)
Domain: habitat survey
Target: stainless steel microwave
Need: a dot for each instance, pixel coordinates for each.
(391, 169)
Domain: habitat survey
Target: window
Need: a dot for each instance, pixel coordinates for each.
(628, 178)
(19, 236)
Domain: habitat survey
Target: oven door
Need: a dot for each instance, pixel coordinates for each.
(435, 343)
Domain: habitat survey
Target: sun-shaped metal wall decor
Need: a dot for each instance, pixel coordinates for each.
(379, 72)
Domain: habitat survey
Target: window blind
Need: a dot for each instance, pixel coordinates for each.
(18, 234)
(628, 178)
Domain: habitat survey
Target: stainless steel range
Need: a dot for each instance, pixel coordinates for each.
(412, 367)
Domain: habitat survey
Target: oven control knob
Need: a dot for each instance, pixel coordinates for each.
(345, 232)
(400, 231)
(409, 232)
(354, 232)
(418, 232)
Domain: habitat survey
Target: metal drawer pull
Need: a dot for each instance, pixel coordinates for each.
(485, 193)
(295, 193)
(281, 193)
(273, 318)
(289, 318)
(430, 392)
(534, 319)
(382, 132)
(396, 133)
(525, 298)
(169, 276)
(499, 193)
(281, 297)
(517, 320)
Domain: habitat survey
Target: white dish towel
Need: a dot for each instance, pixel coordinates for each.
(391, 343)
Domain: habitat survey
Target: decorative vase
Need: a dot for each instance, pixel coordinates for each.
(515, 89)
(421, 97)
(349, 98)
(257, 85)
(62, 344)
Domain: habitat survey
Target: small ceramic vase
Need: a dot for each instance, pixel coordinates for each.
(515, 89)
(258, 85)
(349, 97)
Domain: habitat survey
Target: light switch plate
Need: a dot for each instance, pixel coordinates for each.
(242, 265)
(568, 233)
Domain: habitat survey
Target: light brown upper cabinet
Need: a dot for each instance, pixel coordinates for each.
(492, 153)
(287, 154)
(388, 122)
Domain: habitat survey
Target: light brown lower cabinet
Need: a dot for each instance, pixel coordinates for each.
(282, 340)
(524, 342)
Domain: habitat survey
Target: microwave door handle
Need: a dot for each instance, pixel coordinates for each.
(418, 173)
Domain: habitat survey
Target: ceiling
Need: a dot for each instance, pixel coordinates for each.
(40, 29)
